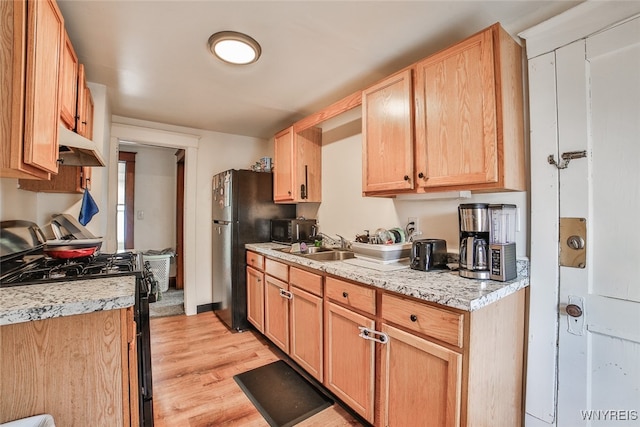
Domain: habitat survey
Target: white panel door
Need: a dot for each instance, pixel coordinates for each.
(598, 95)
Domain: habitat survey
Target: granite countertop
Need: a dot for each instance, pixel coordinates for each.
(44, 301)
(441, 286)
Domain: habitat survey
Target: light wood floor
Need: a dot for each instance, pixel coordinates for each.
(194, 359)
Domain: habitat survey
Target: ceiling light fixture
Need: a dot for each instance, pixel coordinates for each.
(234, 47)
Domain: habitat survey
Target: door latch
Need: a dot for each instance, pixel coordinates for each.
(566, 158)
(575, 315)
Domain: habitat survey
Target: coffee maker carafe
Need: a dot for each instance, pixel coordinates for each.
(474, 240)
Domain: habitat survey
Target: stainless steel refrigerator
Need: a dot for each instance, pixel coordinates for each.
(242, 211)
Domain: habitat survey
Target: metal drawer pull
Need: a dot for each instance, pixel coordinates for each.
(345, 294)
(370, 334)
(413, 318)
(286, 294)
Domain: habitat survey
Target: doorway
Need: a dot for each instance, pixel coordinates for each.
(122, 133)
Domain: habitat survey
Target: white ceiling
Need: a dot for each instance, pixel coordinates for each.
(153, 56)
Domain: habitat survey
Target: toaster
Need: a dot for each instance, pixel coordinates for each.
(428, 254)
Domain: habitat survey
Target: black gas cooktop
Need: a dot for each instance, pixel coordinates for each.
(38, 268)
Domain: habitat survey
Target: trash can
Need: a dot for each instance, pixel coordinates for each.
(159, 265)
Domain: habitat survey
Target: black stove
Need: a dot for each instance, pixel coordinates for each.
(38, 268)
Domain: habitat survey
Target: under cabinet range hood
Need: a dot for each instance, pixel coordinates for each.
(76, 150)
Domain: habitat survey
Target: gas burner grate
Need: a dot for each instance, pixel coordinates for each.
(45, 269)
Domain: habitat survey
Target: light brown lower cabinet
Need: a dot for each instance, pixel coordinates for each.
(276, 311)
(420, 380)
(349, 359)
(81, 369)
(449, 368)
(430, 366)
(306, 321)
(255, 298)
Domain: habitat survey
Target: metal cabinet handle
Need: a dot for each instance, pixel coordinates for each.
(413, 318)
(373, 335)
(345, 294)
(286, 294)
(406, 177)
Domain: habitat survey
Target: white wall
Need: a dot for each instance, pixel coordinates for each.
(155, 197)
(346, 212)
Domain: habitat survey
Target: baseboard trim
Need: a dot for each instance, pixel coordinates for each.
(205, 307)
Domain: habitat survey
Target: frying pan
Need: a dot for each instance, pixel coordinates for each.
(73, 248)
(65, 252)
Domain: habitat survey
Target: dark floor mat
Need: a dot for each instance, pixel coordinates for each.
(283, 397)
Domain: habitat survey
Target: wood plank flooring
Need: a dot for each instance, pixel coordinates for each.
(194, 359)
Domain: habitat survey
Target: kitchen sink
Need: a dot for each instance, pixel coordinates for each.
(331, 255)
(322, 254)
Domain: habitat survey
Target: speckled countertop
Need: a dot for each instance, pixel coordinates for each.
(442, 286)
(44, 301)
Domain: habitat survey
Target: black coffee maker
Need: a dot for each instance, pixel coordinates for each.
(474, 240)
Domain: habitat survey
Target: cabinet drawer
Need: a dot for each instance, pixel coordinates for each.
(276, 269)
(437, 323)
(255, 260)
(357, 296)
(306, 280)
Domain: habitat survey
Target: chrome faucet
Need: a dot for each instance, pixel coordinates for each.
(334, 242)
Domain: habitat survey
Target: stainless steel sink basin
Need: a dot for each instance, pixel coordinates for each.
(331, 255)
(322, 254)
(308, 250)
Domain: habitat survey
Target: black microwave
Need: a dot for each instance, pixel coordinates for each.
(293, 230)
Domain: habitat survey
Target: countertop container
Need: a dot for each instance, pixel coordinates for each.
(382, 253)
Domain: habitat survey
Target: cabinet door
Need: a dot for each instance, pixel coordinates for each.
(45, 38)
(306, 331)
(276, 312)
(420, 381)
(70, 179)
(74, 367)
(283, 167)
(456, 135)
(69, 85)
(87, 119)
(255, 298)
(387, 133)
(349, 359)
(84, 125)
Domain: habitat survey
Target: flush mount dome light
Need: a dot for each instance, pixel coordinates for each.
(234, 48)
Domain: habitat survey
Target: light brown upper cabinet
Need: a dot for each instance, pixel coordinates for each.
(467, 119)
(69, 85)
(297, 166)
(84, 125)
(31, 48)
(387, 128)
(70, 179)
